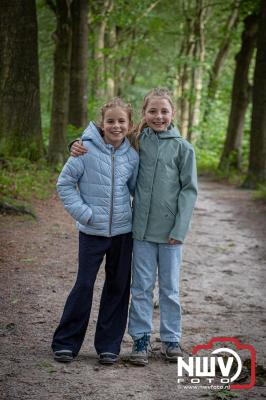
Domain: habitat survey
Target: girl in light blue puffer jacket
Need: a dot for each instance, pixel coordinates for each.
(95, 190)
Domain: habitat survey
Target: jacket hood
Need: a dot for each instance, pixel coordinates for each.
(92, 133)
(172, 132)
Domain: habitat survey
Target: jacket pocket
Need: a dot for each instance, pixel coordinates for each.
(128, 214)
(170, 210)
(90, 221)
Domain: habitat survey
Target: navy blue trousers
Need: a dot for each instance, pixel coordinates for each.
(112, 317)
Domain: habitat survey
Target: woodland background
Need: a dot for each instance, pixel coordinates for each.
(62, 59)
(59, 61)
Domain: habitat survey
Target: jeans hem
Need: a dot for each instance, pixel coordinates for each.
(171, 339)
(140, 335)
(114, 351)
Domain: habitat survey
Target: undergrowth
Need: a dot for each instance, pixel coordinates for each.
(21, 180)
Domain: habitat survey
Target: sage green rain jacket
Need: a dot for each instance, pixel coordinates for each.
(166, 189)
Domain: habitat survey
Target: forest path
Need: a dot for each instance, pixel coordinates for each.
(222, 294)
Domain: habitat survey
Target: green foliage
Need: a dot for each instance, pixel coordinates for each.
(73, 133)
(208, 142)
(47, 366)
(148, 53)
(28, 148)
(206, 160)
(260, 193)
(22, 180)
(209, 139)
(249, 6)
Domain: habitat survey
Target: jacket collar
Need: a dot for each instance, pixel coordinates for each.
(172, 132)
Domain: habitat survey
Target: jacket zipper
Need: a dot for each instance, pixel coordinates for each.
(112, 192)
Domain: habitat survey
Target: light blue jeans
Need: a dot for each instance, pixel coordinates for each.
(146, 257)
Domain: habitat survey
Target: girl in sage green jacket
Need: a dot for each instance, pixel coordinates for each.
(164, 199)
(165, 196)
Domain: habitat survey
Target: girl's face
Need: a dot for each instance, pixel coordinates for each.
(158, 114)
(115, 126)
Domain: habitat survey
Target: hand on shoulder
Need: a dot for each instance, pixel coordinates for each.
(77, 149)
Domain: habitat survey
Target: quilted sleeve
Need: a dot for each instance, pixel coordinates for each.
(67, 187)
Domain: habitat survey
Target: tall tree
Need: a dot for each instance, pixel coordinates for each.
(20, 118)
(257, 157)
(79, 68)
(110, 63)
(184, 71)
(197, 69)
(122, 37)
(105, 7)
(221, 56)
(241, 94)
(60, 101)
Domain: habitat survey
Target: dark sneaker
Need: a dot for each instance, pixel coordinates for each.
(139, 354)
(64, 356)
(171, 350)
(108, 358)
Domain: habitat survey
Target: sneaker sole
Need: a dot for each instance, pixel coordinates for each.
(107, 362)
(63, 359)
(171, 359)
(140, 363)
(107, 358)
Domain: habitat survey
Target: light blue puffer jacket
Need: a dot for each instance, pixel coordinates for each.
(95, 188)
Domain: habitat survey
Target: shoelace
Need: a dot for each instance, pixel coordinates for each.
(173, 345)
(142, 343)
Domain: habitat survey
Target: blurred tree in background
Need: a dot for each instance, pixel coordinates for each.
(241, 95)
(257, 154)
(20, 114)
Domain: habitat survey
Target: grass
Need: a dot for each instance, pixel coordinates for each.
(260, 193)
(21, 181)
(207, 164)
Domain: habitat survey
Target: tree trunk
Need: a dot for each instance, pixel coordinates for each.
(185, 75)
(20, 117)
(77, 115)
(62, 36)
(99, 47)
(91, 56)
(231, 157)
(197, 71)
(99, 60)
(110, 64)
(220, 58)
(257, 157)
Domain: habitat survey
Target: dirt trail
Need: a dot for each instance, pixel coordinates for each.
(222, 291)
